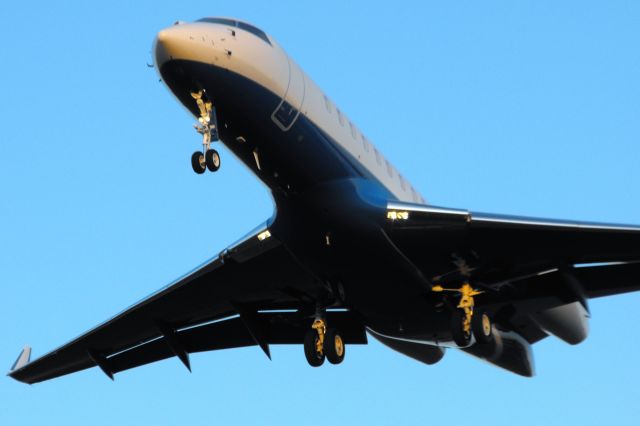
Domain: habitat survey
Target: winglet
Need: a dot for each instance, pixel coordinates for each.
(23, 359)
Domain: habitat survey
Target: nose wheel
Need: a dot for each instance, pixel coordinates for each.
(321, 342)
(207, 126)
(198, 162)
(212, 160)
(209, 160)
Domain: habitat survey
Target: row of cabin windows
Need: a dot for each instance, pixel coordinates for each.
(365, 144)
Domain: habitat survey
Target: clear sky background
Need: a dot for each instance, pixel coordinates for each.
(529, 107)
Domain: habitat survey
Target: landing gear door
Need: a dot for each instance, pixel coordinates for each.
(286, 114)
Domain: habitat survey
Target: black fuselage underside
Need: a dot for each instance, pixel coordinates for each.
(320, 192)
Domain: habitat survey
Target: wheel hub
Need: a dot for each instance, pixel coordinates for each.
(486, 325)
(339, 345)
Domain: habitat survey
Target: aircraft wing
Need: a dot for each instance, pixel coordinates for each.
(219, 305)
(525, 264)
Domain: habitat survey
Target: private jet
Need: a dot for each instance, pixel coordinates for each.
(353, 251)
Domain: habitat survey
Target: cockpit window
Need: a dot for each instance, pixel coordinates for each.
(223, 21)
(237, 24)
(253, 30)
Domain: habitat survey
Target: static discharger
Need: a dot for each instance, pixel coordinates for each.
(397, 215)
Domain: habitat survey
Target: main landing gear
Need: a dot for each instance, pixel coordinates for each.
(321, 342)
(208, 158)
(466, 322)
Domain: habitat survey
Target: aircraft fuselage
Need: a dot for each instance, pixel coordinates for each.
(325, 175)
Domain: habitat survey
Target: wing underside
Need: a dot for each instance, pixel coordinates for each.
(497, 250)
(254, 293)
(524, 265)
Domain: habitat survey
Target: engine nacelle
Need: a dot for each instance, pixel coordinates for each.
(507, 350)
(422, 352)
(568, 322)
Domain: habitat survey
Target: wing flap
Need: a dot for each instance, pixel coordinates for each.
(607, 280)
(233, 333)
(219, 335)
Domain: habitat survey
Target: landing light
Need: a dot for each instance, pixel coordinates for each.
(397, 215)
(264, 235)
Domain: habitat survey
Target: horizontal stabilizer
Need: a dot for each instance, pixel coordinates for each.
(23, 358)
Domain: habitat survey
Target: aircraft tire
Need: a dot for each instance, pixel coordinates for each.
(460, 337)
(334, 348)
(212, 160)
(197, 162)
(314, 358)
(482, 327)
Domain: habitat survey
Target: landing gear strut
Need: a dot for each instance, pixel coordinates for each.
(208, 127)
(463, 320)
(321, 342)
(314, 343)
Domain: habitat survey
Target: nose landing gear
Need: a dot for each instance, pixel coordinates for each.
(464, 322)
(208, 127)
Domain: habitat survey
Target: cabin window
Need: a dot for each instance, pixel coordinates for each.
(365, 144)
(327, 104)
(389, 169)
(378, 159)
(353, 130)
(340, 117)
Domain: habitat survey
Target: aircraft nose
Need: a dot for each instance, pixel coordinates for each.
(170, 43)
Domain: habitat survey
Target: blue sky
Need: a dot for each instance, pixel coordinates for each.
(514, 107)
